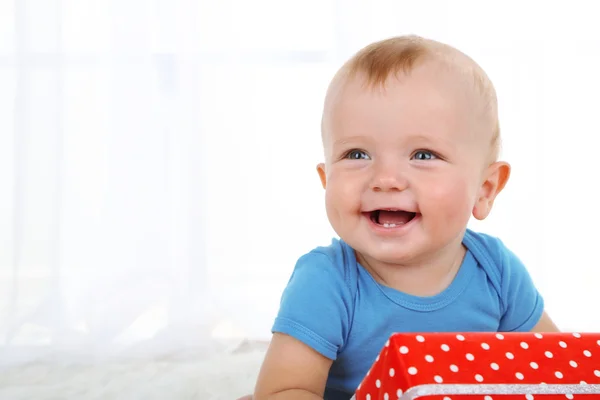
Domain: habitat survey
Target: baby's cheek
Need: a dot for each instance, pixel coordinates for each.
(451, 197)
(343, 190)
(338, 199)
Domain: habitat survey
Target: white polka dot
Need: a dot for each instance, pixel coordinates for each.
(378, 383)
(529, 396)
(539, 335)
(386, 396)
(399, 393)
(587, 353)
(453, 368)
(392, 372)
(519, 376)
(510, 355)
(573, 364)
(500, 336)
(558, 374)
(495, 366)
(598, 342)
(460, 337)
(583, 383)
(445, 347)
(562, 344)
(429, 358)
(524, 345)
(377, 359)
(470, 357)
(386, 343)
(447, 398)
(412, 371)
(438, 379)
(534, 365)
(488, 398)
(404, 350)
(368, 396)
(549, 354)
(577, 335)
(597, 373)
(569, 396)
(479, 378)
(420, 339)
(485, 346)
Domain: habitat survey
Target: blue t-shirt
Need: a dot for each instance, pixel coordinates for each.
(332, 304)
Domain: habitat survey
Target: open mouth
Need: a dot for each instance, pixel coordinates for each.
(391, 218)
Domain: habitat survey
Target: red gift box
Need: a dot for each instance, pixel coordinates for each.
(485, 366)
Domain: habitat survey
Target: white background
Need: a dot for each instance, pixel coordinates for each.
(157, 158)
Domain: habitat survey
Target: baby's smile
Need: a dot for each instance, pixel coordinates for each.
(391, 219)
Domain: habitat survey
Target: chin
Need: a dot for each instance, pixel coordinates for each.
(388, 254)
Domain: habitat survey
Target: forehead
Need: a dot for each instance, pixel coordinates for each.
(431, 101)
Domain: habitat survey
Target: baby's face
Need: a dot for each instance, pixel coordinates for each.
(404, 165)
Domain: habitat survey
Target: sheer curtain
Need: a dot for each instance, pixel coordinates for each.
(157, 158)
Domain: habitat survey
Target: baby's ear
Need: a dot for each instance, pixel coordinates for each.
(495, 179)
(322, 174)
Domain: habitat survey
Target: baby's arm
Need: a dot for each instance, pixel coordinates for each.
(309, 330)
(524, 306)
(545, 324)
(291, 370)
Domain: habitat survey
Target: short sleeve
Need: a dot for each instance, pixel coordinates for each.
(315, 305)
(523, 304)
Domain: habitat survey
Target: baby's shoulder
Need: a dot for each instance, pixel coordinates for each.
(498, 261)
(335, 252)
(489, 250)
(335, 261)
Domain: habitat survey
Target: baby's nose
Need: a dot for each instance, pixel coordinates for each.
(388, 178)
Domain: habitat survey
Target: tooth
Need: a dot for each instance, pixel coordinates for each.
(386, 225)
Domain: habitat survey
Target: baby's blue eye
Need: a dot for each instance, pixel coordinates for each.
(423, 155)
(357, 155)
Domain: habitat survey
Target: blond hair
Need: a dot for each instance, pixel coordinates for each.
(380, 60)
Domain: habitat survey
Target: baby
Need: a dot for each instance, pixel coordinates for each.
(411, 138)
